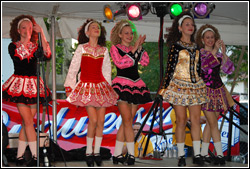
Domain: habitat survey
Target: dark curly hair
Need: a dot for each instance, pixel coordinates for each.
(14, 35)
(199, 35)
(82, 38)
(174, 34)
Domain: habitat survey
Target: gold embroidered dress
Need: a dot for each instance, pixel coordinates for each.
(182, 83)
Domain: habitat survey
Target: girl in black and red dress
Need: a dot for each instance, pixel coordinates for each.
(21, 87)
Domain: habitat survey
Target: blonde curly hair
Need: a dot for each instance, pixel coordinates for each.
(114, 37)
(199, 35)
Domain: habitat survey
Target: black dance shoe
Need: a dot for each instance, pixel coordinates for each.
(207, 159)
(118, 159)
(98, 159)
(130, 160)
(20, 161)
(90, 160)
(219, 160)
(32, 162)
(181, 161)
(198, 159)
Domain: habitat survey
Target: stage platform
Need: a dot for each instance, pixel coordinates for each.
(140, 163)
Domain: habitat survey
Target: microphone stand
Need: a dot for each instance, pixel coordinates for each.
(158, 98)
(38, 55)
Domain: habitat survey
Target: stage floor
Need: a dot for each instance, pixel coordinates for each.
(165, 162)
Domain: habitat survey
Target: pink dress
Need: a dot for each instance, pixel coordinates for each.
(128, 83)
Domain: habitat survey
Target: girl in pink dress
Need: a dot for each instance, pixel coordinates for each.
(93, 90)
(126, 53)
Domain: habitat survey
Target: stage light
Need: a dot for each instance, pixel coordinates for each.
(134, 11)
(202, 9)
(110, 12)
(175, 9)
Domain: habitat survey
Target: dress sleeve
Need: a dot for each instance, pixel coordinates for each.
(173, 55)
(208, 60)
(227, 66)
(122, 62)
(143, 57)
(47, 53)
(74, 67)
(11, 49)
(106, 67)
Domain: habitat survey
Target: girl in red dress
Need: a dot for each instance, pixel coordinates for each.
(93, 90)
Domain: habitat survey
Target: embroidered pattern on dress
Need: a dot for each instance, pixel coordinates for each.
(25, 53)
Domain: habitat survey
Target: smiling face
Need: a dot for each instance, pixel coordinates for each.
(25, 30)
(187, 26)
(94, 30)
(126, 35)
(208, 39)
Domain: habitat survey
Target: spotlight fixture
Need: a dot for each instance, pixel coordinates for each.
(133, 11)
(110, 12)
(175, 9)
(202, 9)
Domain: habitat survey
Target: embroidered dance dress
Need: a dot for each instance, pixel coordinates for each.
(21, 87)
(94, 85)
(128, 83)
(219, 98)
(182, 83)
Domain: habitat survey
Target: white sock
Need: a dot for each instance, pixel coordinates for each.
(131, 148)
(204, 148)
(89, 145)
(98, 142)
(33, 148)
(218, 148)
(181, 151)
(21, 148)
(197, 147)
(118, 148)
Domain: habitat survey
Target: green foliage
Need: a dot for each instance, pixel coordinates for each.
(151, 74)
(243, 67)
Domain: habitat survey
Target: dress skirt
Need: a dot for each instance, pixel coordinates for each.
(130, 91)
(93, 94)
(220, 100)
(185, 93)
(23, 89)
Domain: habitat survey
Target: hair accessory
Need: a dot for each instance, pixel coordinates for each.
(182, 18)
(87, 27)
(24, 19)
(207, 29)
(124, 24)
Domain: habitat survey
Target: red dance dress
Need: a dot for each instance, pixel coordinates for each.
(21, 87)
(94, 85)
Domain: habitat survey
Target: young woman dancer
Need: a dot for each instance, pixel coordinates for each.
(21, 87)
(212, 61)
(183, 87)
(93, 90)
(127, 52)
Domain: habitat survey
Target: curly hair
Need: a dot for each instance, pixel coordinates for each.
(14, 35)
(174, 34)
(82, 38)
(114, 37)
(199, 35)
